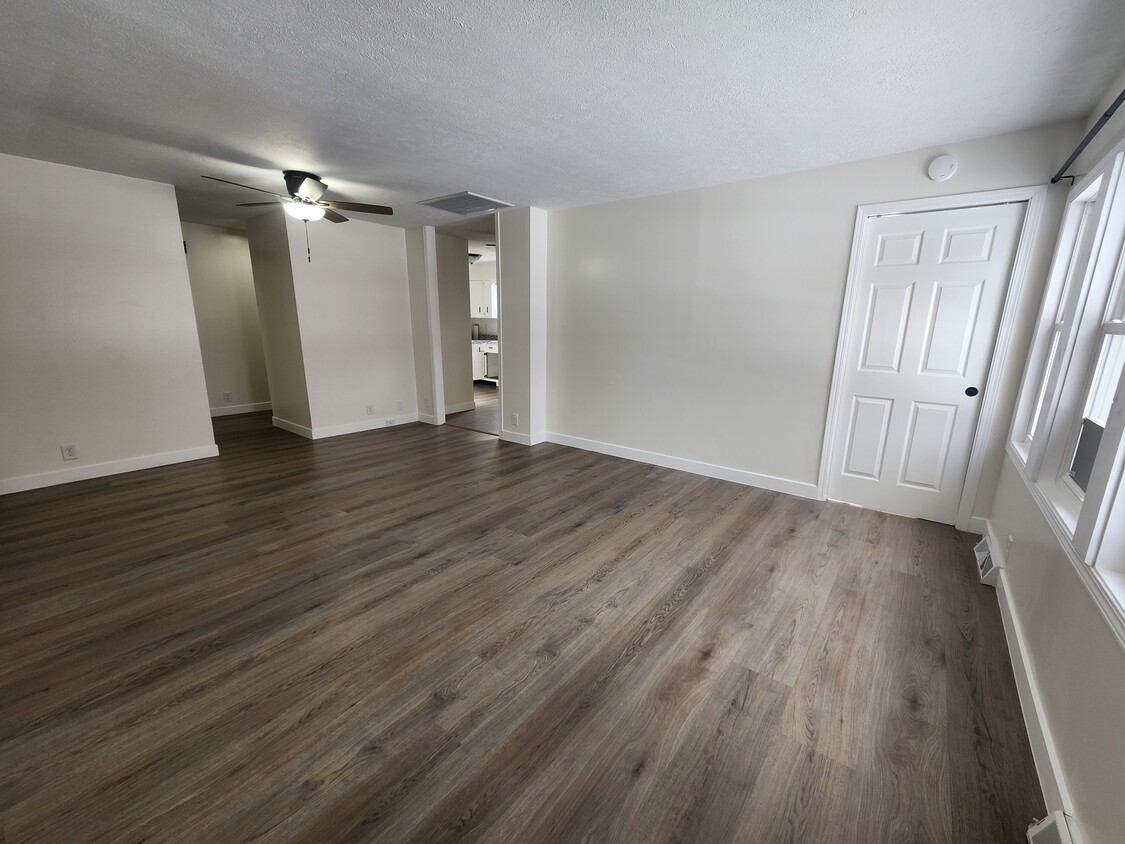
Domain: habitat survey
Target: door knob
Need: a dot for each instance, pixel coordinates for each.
(971, 391)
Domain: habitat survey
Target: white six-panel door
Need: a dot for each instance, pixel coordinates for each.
(929, 296)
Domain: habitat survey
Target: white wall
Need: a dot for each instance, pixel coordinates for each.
(1070, 659)
(226, 314)
(453, 306)
(280, 327)
(522, 242)
(354, 308)
(421, 273)
(97, 333)
(1111, 132)
(488, 327)
(344, 319)
(1077, 665)
(702, 325)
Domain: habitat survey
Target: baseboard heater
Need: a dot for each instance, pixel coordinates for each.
(1053, 829)
(986, 565)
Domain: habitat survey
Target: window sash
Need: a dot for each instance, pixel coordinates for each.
(1077, 267)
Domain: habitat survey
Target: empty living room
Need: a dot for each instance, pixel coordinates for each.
(804, 516)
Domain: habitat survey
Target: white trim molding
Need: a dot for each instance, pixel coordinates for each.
(363, 425)
(1035, 196)
(696, 467)
(236, 409)
(110, 467)
(523, 439)
(326, 431)
(292, 427)
(433, 319)
(460, 407)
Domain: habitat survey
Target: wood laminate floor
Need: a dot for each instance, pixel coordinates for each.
(485, 417)
(424, 634)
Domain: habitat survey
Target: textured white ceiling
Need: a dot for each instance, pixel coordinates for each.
(539, 103)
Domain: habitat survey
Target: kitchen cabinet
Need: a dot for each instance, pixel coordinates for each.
(483, 299)
(480, 362)
(482, 349)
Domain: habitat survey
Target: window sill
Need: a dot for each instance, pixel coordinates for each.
(1113, 583)
(1064, 504)
(1020, 453)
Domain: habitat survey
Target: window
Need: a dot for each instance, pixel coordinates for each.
(1067, 432)
(1077, 239)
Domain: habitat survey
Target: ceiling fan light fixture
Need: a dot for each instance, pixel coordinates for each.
(306, 211)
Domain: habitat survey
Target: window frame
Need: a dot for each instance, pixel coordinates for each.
(1085, 290)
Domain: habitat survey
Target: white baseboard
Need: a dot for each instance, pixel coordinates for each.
(738, 476)
(522, 439)
(460, 408)
(325, 431)
(111, 467)
(1056, 795)
(292, 427)
(975, 524)
(363, 425)
(428, 418)
(235, 409)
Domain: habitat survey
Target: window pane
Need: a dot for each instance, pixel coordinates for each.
(1111, 360)
(1033, 423)
(1073, 267)
(1117, 297)
(1106, 377)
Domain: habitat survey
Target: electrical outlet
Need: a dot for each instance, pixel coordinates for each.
(69, 452)
(370, 410)
(1008, 545)
(398, 405)
(427, 401)
(227, 397)
(515, 419)
(389, 422)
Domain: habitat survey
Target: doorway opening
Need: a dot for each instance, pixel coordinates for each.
(471, 348)
(485, 417)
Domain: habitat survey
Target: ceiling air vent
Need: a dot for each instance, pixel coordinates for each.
(465, 203)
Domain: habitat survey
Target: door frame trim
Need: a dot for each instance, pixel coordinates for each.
(1035, 196)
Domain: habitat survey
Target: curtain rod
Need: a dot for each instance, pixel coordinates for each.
(1089, 137)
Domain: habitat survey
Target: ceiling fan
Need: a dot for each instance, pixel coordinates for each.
(304, 200)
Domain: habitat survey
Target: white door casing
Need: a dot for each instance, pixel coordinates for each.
(929, 291)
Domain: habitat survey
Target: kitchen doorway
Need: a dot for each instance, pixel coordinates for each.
(485, 417)
(473, 357)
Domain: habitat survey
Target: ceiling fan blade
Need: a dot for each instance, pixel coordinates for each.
(329, 214)
(237, 185)
(357, 206)
(254, 204)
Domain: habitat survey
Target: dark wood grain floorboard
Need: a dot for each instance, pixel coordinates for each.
(422, 634)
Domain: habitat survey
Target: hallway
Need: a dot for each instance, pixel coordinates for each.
(485, 417)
